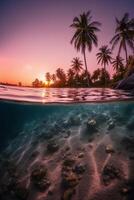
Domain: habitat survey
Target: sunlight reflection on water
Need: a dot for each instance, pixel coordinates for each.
(62, 95)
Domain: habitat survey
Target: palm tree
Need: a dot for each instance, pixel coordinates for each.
(48, 78)
(104, 56)
(70, 72)
(61, 76)
(70, 76)
(104, 76)
(118, 64)
(76, 65)
(36, 83)
(124, 34)
(96, 75)
(85, 34)
(83, 78)
(53, 78)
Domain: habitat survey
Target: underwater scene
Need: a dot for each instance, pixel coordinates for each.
(74, 151)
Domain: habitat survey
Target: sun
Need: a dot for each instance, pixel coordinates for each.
(42, 77)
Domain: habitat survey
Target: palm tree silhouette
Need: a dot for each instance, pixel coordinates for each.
(96, 75)
(104, 57)
(104, 76)
(83, 78)
(70, 76)
(36, 83)
(48, 78)
(85, 34)
(76, 65)
(118, 64)
(61, 75)
(124, 34)
(53, 78)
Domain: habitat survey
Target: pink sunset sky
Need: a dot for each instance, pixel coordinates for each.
(35, 36)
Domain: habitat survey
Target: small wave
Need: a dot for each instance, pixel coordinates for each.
(63, 95)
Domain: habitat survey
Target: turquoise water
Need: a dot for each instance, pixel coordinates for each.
(87, 148)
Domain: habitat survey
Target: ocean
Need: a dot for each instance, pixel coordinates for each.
(66, 144)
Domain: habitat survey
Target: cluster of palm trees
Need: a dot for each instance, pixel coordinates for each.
(75, 76)
(84, 38)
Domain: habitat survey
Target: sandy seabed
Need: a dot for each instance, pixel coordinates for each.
(84, 154)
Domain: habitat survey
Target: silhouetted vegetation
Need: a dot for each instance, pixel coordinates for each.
(85, 38)
(76, 75)
(9, 84)
(37, 83)
(104, 58)
(85, 35)
(124, 35)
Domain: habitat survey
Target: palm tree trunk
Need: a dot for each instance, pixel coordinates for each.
(126, 53)
(86, 67)
(105, 75)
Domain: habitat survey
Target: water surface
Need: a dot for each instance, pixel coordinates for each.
(62, 95)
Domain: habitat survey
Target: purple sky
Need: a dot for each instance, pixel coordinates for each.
(35, 34)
